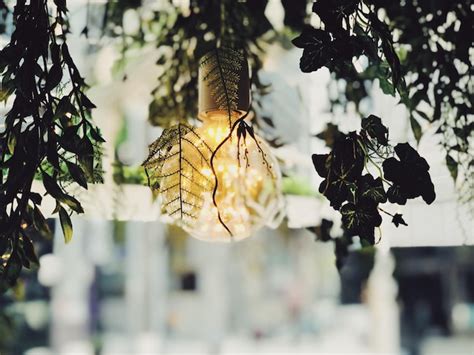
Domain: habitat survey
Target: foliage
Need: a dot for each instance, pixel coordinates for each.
(353, 190)
(418, 50)
(48, 131)
(183, 34)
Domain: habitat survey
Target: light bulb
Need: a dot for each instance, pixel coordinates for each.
(248, 179)
(220, 181)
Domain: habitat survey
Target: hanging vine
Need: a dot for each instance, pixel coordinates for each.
(48, 132)
(418, 51)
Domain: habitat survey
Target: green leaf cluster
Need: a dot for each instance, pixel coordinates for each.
(48, 132)
(352, 189)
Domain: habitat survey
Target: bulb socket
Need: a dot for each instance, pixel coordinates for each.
(208, 107)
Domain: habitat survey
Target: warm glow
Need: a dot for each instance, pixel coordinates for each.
(248, 194)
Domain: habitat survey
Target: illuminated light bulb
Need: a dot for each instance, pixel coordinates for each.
(248, 184)
(217, 184)
(248, 189)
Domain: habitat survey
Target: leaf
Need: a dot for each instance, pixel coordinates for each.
(317, 47)
(416, 128)
(386, 86)
(410, 176)
(176, 164)
(61, 4)
(96, 135)
(54, 77)
(54, 190)
(77, 174)
(87, 103)
(36, 198)
(66, 224)
(268, 121)
(361, 218)
(29, 250)
(452, 166)
(11, 142)
(371, 188)
(323, 50)
(332, 12)
(398, 219)
(340, 169)
(52, 187)
(86, 156)
(12, 270)
(40, 223)
(74, 204)
(375, 129)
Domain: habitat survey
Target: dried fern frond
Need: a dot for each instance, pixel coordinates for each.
(221, 72)
(179, 168)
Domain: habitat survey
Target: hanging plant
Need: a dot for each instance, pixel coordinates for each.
(48, 132)
(418, 51)
(182, 35)
(353, 190)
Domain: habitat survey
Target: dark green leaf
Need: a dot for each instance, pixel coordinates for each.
(77, 174)
(452, 166)
(54, 77)
(52, 187)
(416, 128)
(40, 223)
(66, 224)
(29, 250)
(74, 204)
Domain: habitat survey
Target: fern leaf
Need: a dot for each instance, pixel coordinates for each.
(221, 70)
(175, 165)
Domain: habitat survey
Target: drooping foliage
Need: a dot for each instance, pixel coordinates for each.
(417, 51)
(47, 133)
(356, 192)
(183, 35)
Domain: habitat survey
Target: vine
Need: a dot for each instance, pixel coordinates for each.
(418, 51)
(48, 132)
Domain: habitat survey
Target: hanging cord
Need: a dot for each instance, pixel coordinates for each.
(216, 185)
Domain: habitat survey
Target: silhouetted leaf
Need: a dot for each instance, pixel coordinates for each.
(40, 223)
(52, 187)
(54, 77)
(361, 218)
(29, 250)
(409, 175)
(77, 174)
(368, 187)
(398, 219)
(375, 129)
(317, 47)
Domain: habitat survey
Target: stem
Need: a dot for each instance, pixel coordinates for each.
(387, 213)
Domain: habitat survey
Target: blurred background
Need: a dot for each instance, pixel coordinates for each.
(130, 284)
